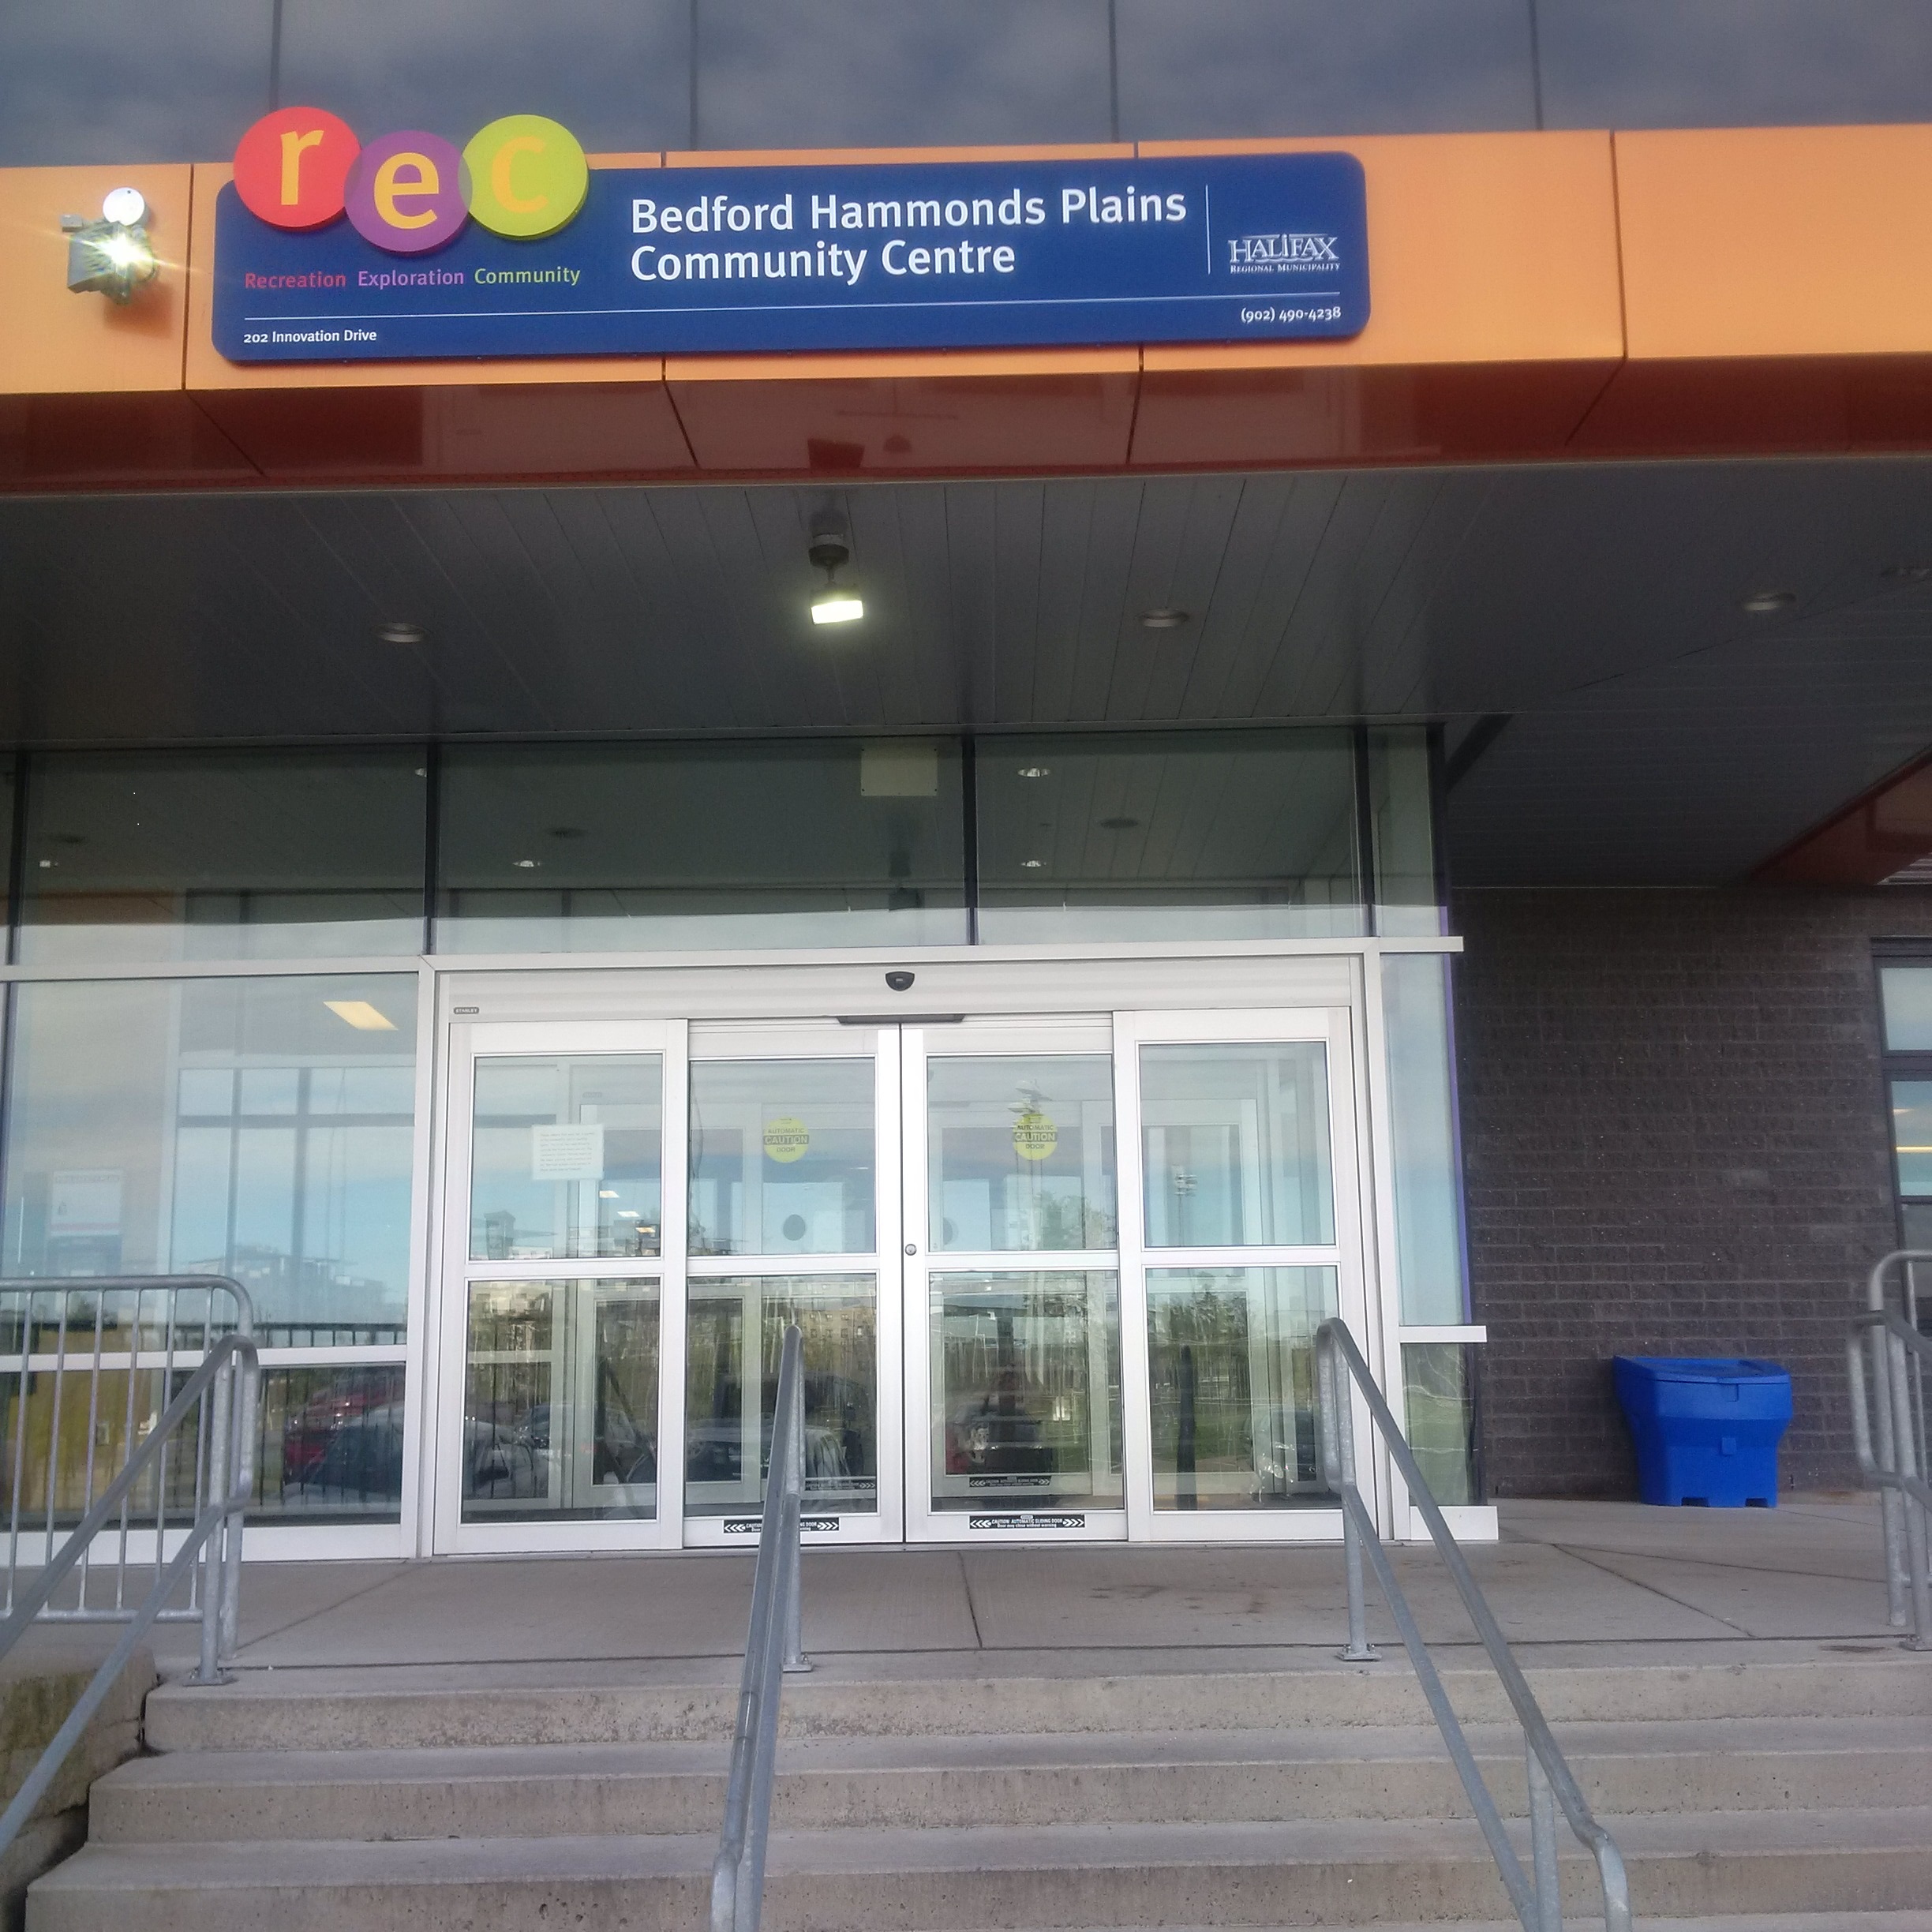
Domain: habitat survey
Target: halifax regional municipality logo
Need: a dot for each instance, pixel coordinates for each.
(1283, 254)
(523, 177)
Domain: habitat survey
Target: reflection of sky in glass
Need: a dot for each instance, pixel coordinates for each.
(1907, 1002)
(616, 73)
(1911, 1134)
(1704, 63)
(1256, 67)
(87, 80)
(794, 73)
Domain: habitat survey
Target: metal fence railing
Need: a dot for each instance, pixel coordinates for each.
(179, 1428)
(772, 1647)
(1888, 1433)
(1340, 1370)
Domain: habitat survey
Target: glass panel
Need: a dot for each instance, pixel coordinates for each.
(330, 1444)
(782, 1157)
(1732, 63)
(1231, 1358)
(560, 1402)
(1916, 1222)
(1199, 835)
(1438, 1390)
(229, 855)
(263, 1129)
(1428, 1198)
(1911, 1134)
(1906, 994)
(726, 1454)
(565, 1161)
(86, 82)
(616, 73)
(1021, 1151)
(1401, 817)
(1026, 1390)
(329, 1441)
(858, 73)
(1216, 67)
(603, 848)
(1236, 1143)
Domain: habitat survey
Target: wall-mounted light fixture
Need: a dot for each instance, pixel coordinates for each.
(830, 549)
(113, 256)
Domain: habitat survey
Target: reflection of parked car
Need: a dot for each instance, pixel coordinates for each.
(503, 1463)
(363, 1457)
(306, 1434)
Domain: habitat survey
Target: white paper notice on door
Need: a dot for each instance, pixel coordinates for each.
(572, 1152)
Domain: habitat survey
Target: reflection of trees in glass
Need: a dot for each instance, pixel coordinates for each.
(839, 1329)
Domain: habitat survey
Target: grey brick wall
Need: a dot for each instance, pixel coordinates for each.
(1675, 1139)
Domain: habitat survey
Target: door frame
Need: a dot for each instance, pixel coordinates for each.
(999, 1526)
(1333, 1027)
(550, 1003)
(452, 1271)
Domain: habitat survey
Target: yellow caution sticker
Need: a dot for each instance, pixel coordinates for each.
(786, 1139)
(1035, 1135)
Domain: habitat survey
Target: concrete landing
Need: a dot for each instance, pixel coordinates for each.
(1564, 1574)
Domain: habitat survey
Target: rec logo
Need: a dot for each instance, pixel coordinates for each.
(1277, 252)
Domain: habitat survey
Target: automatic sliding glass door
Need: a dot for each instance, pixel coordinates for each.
(1012, 1284)
(793, 1217)
(1059, 1279)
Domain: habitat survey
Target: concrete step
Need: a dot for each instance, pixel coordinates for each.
(433, 1708)
(1683, 1864)
(1363, 1772)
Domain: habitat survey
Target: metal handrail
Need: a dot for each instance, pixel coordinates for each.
(1534, 1895)
(773, 1648)
(228, 1379)
(160, 1325)
(1888, 1434)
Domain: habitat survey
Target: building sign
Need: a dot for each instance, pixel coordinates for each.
(330, 251)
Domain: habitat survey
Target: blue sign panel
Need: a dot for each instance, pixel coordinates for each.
(966, 255)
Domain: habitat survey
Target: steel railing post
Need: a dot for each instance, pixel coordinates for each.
(1337, 1443)
(214, 1576)
(796, 1662)
(1543, 1842)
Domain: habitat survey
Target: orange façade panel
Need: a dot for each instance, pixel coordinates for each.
(886, 414)
(1495, 316)
(90, 391)
(556, 417)
(1778, 292)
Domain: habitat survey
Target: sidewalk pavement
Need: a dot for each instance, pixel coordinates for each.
(1564, 1574)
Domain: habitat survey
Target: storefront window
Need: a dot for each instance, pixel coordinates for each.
(1429, 1223)
(1402, 823)
(634, 847)
(222, 856)
(1201, 835)
(260, 1128)
(1905, 1001)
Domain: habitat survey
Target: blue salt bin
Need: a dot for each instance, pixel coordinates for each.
(1707, 1428)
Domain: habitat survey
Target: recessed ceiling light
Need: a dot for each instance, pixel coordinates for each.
(398, 632)
(1033, 865)
(1118, 824)
(526, 865)
(361, 1015)
(1035, 771)
(1768, 603)
(1165, 618)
